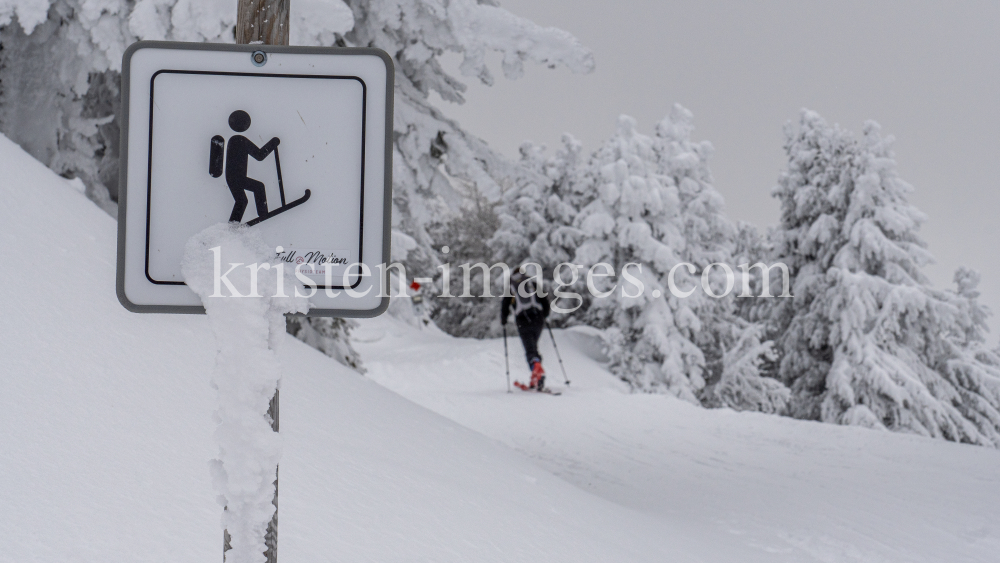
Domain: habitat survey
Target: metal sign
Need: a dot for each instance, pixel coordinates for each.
(292, 141)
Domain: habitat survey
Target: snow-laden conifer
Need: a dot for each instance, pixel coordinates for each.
(66, 118)
(470, 304)
(741, 384)
(633, 217)
(536, 220)
(537, 213)
(445, 180)
(653, 210)
(433, 156)
(866, 340)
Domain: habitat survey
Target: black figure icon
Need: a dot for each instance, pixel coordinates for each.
(236, 157)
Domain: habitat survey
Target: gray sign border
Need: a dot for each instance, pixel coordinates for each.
(123, 160)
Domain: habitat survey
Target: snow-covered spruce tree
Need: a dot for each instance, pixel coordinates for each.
(59, 86)
(529, 222)
(328, 335)
(465, 310)
(753, 247)
(60, 64)
(866, 340)
(738, 358)
(537, 213)
(445, 180)
(653, 205)
(536, 217)
(744, 382)
(433, 156)
(441, 173)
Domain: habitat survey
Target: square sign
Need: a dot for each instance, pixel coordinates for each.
(292, 141)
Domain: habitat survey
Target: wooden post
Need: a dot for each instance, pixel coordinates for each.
(263, 22)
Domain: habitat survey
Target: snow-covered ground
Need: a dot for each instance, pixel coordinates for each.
(752, 487)
(107, 433)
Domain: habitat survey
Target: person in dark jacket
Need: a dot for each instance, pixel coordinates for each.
(529, 314)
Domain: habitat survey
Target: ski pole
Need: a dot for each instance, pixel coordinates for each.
(561, 366)
(506, 361)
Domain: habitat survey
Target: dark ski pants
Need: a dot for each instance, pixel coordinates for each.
(530, 332)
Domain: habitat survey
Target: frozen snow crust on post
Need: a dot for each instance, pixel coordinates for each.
(249, 326)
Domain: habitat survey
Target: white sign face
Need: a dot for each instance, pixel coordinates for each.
(297, 147)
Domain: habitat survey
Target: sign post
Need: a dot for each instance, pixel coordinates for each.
(262, 21)
(294, 142)
(265, 22)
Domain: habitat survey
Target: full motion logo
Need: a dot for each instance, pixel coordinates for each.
(314, 262)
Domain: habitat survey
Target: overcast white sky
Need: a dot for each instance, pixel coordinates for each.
(928, 72)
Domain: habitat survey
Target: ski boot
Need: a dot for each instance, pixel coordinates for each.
(537, 377)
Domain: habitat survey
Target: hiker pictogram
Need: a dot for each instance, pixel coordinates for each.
(235, 158)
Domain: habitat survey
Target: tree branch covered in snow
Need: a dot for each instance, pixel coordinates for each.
(434, 160)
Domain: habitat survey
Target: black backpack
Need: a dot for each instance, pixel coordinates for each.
(529, 306)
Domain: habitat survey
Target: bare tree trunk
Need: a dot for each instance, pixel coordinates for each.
(264, 22)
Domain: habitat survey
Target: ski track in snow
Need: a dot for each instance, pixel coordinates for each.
(753, 487)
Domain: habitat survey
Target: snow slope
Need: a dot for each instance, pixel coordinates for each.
(106, 419)
(752, 487)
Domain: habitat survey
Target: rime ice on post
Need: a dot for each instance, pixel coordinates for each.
(246, 305)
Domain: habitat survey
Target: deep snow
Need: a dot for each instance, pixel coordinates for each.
(754, 487)
(107, 433)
